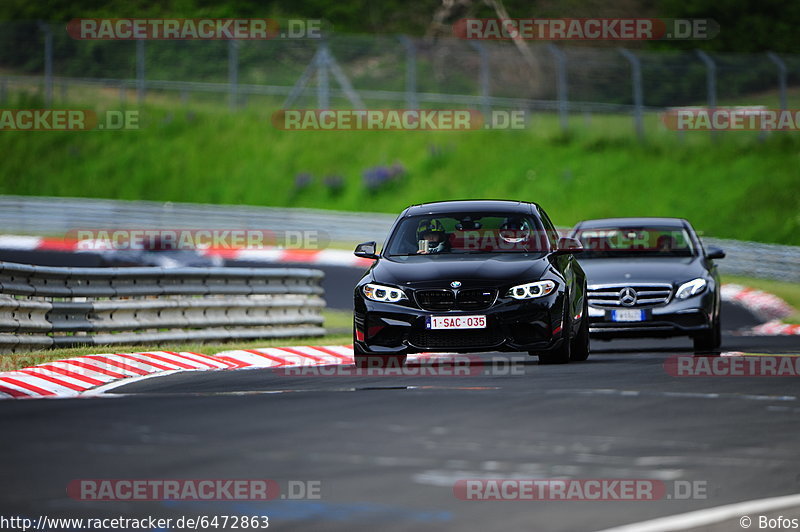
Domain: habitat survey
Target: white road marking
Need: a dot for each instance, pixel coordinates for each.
(709, 516)
(688, 395)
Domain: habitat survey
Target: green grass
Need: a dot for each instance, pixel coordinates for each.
(789, 292)
(740, 186)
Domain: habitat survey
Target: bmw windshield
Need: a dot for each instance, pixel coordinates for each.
(452, 234)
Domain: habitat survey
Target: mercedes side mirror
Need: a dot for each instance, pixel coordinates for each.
(715, 253)
(568, 245)
(366, 250)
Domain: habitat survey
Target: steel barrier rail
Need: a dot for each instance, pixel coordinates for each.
(49, 215)
(52, 216)
(44, 307)
(754, 259)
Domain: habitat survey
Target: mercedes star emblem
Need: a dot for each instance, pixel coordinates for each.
(627, 296)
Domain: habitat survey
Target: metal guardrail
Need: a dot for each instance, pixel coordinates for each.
(48, 215)
(57, 216)
(754, 259)
(44, 307)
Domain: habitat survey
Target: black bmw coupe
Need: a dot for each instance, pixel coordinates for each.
(650, 277)
(471, 276)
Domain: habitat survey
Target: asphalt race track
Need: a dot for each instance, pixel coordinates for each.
(386, 451)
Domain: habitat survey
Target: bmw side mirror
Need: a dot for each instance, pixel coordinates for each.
(568, 245)
(715, 253)
(366, 250)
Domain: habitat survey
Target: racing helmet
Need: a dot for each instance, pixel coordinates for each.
(430, 226)
(515, 230)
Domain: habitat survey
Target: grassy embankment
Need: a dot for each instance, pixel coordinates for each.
(740, 186)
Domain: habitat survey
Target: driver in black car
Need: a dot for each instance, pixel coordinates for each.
(432, 237)
(665, 244)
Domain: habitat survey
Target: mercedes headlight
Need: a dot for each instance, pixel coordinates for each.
(691, 288)
(384, 294)
(532, 290)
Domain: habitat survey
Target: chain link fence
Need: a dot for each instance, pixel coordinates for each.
(394, 71)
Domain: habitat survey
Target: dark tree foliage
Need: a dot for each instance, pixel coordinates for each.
(746, 25)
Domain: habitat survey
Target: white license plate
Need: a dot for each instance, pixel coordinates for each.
(456, 322)
(628, 314)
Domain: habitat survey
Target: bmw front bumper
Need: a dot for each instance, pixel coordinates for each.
(393, 329)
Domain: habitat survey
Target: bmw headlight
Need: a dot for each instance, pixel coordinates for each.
(384, 294)
(691, 288)
(532, 290)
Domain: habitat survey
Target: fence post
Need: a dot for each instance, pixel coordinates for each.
(561, 84)
(638, 95)
(411, 72)
(711, 82)
(140, 70)
(781, 77)
(233, 73)
(486, 105)
(711, 78)
(48, 63)
(323, 85)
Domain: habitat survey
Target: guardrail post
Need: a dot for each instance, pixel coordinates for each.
(782, 72)
(638, 94)
(233, 73)
(140, 71)
(411, 72)
(561, 84)
(486, 106)
(48, 63)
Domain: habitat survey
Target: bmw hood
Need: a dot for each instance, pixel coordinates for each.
(645, 270)
(434, 271)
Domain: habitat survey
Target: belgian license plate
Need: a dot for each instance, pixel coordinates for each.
(456, 322)
(627, 314)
